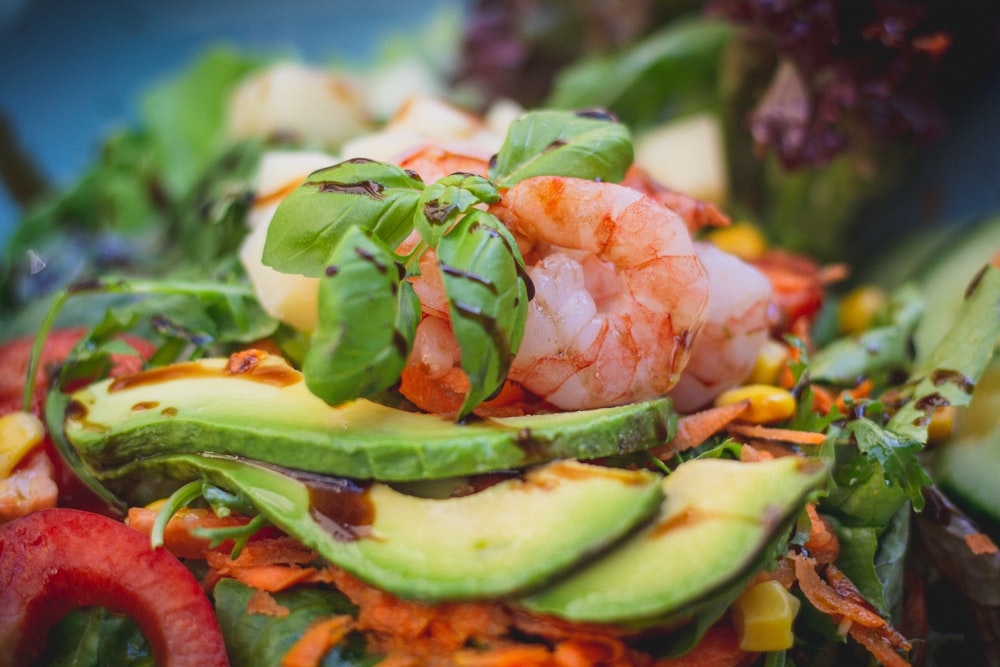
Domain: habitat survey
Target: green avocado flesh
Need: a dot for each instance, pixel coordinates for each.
(511, 537)
(266, 413)
(718, 525)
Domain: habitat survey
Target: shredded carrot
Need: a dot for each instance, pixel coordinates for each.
(316, 641)
(178, 535)
(264, 604)
(823, 401)
(696, 428)
(517, 655)
(862, 390)
(980, 544)
(822, 544)
(779, 434)
(719, 647)
(840, 599)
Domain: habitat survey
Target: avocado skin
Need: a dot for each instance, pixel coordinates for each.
(509, 539)
(719, 525)
(268, 414)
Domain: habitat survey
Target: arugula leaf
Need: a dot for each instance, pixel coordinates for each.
(484, 277)
(313, 218)
(897, 456)
(368, 316)
(582, 144)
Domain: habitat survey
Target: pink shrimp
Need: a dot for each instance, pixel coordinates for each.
(695, 212)
(433, 162)
(619, 292)
(740, 314)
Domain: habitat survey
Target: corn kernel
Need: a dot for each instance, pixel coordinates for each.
(940, 426)
(858, 308)
(763, 616)
(770, 361)
(768, 403)
(20, 432)
(743, 239)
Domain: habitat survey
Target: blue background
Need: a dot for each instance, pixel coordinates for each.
(71, 71)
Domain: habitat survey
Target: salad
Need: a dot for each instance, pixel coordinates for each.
(292, 380)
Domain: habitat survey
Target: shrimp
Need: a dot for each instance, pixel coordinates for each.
(741, 312)
(695, 212)
(619, 292)
(432, 162)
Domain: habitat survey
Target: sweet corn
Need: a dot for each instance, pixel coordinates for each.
(768, 403)
(743, 239)
(763, 616)
(20, 432)
(770, 361)
(940, 426)
(858, 308)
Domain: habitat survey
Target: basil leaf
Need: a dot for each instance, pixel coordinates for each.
(583, 144)
(438, 208)
(312, 220)
(483, 190)
(368, 317)
(487, 292)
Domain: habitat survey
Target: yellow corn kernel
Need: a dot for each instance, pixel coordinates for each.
(20, 432)
(743, 239)
(940, 426)
(157, 504)
(768, 403)
(770, 361)
(763, 616)
(858, 308)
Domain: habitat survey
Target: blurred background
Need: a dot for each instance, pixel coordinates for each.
(904, 96)
(73, 72)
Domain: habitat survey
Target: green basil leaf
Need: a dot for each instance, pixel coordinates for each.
(582, 144)
(312, 220)
(368, 316)
(482, 188)
(438, 208)
(488, 300)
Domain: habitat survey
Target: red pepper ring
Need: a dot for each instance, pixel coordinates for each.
(60, 559)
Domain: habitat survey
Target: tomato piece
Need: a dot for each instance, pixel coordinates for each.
(56, 560)
(14, 356)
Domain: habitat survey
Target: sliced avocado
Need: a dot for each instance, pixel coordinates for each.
(510, 537)
(941, 263)
(266, 413)
(718, 525)
(967, 467)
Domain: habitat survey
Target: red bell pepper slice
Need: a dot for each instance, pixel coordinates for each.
(60, 559)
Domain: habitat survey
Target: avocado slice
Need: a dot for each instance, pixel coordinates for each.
(718, 525)
(266, 413)
(511, 537)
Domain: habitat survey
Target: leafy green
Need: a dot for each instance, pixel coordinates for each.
(562, 143)
(260, 640)
(671, 70)
(94, 637)
(364, 282)
(950, 372)
(878, 353)
(484, 289)
(312, 219)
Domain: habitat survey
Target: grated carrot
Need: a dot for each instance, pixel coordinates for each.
(317, 641)
(778, 434)
(696, 428)
(264, 604)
